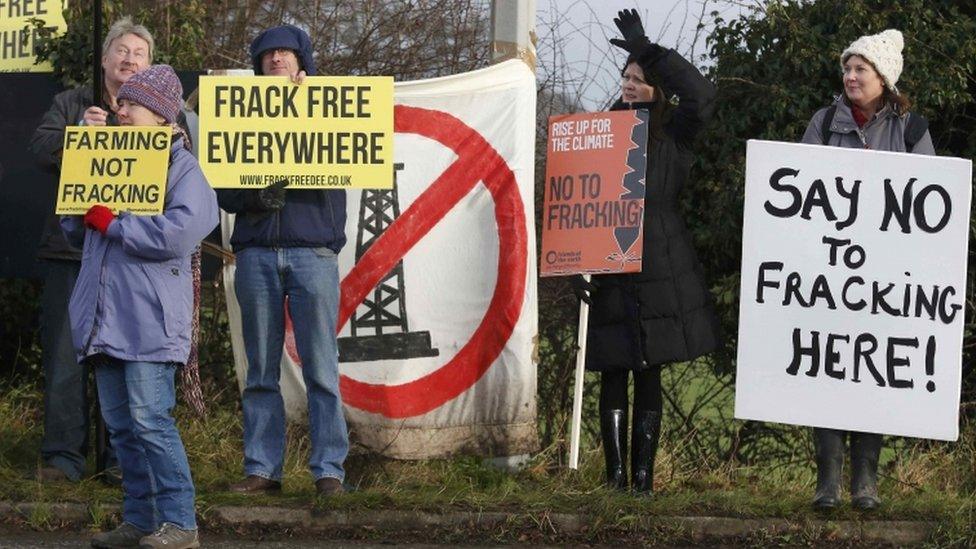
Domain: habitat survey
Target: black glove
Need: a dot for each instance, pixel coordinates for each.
(584, 290)
(630, 25)
(632, 30)
(272, 197)
(268, 199)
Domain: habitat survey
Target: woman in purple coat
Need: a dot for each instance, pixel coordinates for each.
(130, 319)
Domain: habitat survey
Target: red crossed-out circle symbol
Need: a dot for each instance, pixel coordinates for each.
(477, 161)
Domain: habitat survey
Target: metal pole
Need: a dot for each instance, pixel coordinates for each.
(574, 436)
(513, 31)
(101, 436)
(97, 52)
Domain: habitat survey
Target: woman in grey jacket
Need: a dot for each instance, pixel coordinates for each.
(130, 318)
(870, 114)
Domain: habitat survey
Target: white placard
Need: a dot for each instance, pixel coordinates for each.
(853, 289)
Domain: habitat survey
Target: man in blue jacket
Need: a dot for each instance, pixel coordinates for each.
(286, 245)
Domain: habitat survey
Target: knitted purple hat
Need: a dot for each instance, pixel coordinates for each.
(156, 88)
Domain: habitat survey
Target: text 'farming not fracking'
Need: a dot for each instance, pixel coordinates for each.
(298, 147)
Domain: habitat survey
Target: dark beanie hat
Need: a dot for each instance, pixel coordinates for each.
(287, 37)
(158, 89)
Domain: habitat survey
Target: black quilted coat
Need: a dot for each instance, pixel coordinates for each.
(665, 313)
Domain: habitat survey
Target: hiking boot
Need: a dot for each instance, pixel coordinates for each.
(126, 535)
(254, 484)
(328, 486)
(170, 536)
(829, 447)
(865, 450)
(645, 435)
(613, 431)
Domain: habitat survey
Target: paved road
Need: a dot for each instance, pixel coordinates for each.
(11, 538)
(74, 540)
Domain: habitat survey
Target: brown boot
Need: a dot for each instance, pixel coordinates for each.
(254, 484)
(328, 486)
(51, 474)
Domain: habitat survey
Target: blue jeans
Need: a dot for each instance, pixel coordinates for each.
(137, 399)
(66, 406)
(309, 277)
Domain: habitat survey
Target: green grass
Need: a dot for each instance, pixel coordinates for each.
(919, 482)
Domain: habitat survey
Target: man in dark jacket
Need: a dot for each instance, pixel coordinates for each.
(127, 49)
(287, 245)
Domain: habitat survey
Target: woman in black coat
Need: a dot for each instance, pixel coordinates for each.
(642, 321)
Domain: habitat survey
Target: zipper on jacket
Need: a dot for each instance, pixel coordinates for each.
(864, 140)
(277, 234)
(640, 325)
(328, 203)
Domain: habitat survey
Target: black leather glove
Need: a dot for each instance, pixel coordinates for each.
(584, 290)
(635, 41)
(272, 197)
(632, 30)
(630, 25)
(268, 199)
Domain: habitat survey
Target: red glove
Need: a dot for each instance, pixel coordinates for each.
(99, 218)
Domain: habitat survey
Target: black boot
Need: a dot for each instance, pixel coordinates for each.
(647, 430)
(865, 449)
(829, 446)
(613, 430)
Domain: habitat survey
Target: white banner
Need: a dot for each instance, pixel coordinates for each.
(853, 289)
(451, 366)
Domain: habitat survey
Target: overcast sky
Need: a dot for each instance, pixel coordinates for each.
(588, 66)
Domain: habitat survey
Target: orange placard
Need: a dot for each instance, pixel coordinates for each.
(594, 193)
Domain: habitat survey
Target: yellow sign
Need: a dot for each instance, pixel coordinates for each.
(122, 168)
(19, 38)
(326, 132)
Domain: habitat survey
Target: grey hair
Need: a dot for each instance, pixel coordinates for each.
(125, 26)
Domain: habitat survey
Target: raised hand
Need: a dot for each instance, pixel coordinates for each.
(629, 24)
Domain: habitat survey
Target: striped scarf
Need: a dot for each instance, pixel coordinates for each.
(190, 373)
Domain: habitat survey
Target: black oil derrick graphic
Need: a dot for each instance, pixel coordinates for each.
(379, 325)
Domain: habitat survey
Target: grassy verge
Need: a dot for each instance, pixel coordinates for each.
(922, 482)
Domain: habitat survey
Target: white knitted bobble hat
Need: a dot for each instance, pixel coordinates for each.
(883, 50)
